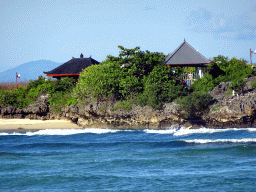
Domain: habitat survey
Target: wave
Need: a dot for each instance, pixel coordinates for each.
(244, 140)
(62, 132)
(167, 131)
(172, 130)
(184, 131)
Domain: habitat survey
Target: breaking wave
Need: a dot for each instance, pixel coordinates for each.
(184, 131)
(61, 132)
(244, 140)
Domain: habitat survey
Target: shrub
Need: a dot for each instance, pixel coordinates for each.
(195, 103)
(124, 104)
(254, 83)
(204, 84)
(16, 98)
(237, 86)
(60, 100)
(98, 81)
(222, 70)
(235, 69)
(161, 86)
(111, 79)
(22, 97)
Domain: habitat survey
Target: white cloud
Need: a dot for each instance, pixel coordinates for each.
(241, 26)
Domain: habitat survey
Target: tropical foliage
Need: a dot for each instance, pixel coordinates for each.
(223, 70)
(133, 77)
(60, 91)
(195, 103)
(133, 73)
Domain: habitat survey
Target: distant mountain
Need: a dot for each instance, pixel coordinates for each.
(28, 71)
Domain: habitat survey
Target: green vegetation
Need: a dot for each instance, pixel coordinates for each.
(254, 83)
(195, 103)
(124, 104)
(228, 92)
(60, 91)
(134, 77)
(133, 73)
(161, 86)
(237, 86)
(215, 108)
(103, 108)
(222, 70)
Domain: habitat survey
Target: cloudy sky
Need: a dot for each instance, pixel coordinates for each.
(58, 30)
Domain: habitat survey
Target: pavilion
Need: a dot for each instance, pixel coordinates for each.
(186, 56)
(72, 68)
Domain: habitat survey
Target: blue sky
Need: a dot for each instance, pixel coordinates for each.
(58, 30)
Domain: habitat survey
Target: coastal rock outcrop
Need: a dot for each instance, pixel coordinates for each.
(226, 110)
(232, 110)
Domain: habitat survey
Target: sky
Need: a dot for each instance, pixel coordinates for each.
(58, 30)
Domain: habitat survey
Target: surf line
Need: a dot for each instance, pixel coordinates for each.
(181, 127)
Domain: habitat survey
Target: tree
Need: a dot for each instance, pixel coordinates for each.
(161, 86)
(111, 79)
(224, 70)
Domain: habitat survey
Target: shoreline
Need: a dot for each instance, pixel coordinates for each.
(19, 125)
(35, 125)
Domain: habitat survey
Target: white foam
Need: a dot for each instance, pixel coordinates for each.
(245, 140)
(62, 132)
(14, 133)
(184, 131)
(207, 130)
(171, 130)
(252, 129)
(167, 131)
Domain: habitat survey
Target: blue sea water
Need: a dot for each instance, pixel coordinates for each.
(114, 160)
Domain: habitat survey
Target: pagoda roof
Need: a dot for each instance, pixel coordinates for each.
(73, 67)
(185, 54)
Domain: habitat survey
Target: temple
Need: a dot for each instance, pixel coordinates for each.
(72, 68)
(186, 55)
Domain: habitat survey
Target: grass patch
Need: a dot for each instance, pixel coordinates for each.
(214, 108)
(254, 83)
(125, 105)
(228, 92)
(103, 108)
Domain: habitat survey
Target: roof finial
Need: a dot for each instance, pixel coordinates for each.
(90, 56)
(81, 56)
(184, 40)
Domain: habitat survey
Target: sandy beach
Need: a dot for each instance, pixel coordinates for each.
(33, 125)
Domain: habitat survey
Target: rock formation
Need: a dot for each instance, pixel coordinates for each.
(226, 110)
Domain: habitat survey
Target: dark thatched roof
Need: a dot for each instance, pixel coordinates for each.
(72, 67)
(186, 55)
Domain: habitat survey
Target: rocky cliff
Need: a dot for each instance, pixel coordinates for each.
(232, 110)
(227, 110)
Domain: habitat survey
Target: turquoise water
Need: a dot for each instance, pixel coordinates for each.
(112, 160)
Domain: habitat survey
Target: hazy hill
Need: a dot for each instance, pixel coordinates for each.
(28, 71)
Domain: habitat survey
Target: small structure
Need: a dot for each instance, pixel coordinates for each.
(186, 56)
(72, 68)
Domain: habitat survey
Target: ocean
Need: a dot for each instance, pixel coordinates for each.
(129, 160)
